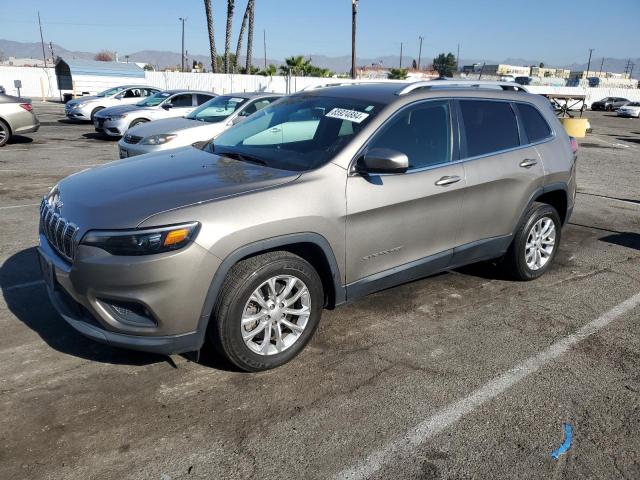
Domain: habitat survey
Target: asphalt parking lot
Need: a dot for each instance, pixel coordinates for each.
(462, 375)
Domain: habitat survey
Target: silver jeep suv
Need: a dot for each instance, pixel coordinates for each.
(314, 201)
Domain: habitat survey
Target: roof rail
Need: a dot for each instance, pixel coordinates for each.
(338, 84)
(486, 84)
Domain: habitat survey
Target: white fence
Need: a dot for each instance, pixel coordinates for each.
(37, 82)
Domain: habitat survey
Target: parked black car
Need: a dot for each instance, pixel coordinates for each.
(609, 103)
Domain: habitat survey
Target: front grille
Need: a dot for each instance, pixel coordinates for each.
(59, 232)
(133, 139)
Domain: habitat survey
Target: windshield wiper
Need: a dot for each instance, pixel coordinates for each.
(243, 157)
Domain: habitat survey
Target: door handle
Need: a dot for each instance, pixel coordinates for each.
(446, 180)
(528, 163)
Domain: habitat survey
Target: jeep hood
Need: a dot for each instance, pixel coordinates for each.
(124, 193)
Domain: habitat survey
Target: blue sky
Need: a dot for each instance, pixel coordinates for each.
(485, 29)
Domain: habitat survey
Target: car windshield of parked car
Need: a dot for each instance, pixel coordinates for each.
(297, 133)
(217, 109)
(154, 100)
(633, 104)
(110, 92)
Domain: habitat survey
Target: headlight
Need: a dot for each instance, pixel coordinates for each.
(158, 139)
(79, 105)
(142, 242)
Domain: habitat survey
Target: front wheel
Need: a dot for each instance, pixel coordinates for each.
(535, 243)
(137, 121)
(268, 309)
(5, 133)
(94, 111)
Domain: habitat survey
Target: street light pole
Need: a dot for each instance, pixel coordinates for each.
(44, 55)
(589, 62)
(420, 52)
(182, 56)
(354, 11)
(400, 54)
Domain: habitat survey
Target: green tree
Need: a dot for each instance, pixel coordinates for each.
(313, 71)
(295, 65)
(253, 71)
(270, 71)
(541, 65)
(398, 74)
(148, 67)
(104, 56)
(445, 64)
(250, 35)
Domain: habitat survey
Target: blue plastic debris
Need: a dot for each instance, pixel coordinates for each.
(566, 444)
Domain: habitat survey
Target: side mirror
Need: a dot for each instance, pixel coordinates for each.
(167, 106)
(119, 96)
(383, 160)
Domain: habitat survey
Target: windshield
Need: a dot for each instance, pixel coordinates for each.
(633, 104)
(154, 100)
(110, 92)
(217, 109)
(297, 133)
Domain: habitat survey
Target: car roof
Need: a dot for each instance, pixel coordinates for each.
(251, 95)
(173, 92)
(390, 92)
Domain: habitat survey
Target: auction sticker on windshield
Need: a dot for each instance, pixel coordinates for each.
(350, 115)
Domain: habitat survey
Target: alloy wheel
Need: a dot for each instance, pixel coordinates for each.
(276, 315)
(541, 241)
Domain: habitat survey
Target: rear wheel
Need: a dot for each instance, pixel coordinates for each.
(138, 121)
(269, 307)
(94, 111)
(535, 243)
(5, 133)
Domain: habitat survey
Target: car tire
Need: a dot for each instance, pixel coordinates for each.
(5, 133)
(535, 243)
(138, 121)
(94, 111)
(241, 321)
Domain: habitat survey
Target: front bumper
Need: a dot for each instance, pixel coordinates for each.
(628, 114)
(75, 113)
(132, 149)
(172, 288)
(113, 128)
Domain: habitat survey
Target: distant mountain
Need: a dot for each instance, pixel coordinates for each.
(339, 64)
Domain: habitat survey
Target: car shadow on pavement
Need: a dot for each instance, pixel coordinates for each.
(27, 299)
(624, 239)
(100, 136)
(18, 139)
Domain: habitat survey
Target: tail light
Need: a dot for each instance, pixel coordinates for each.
(574, 145)
(26, 106)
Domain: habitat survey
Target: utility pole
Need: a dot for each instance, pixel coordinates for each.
(589, 62)
(264, 41)
(601, 65)
(182, 56)
(400, 54)
(631, 70)
(420, 51)
(354, 11)
(44, 55)
(458, 59)
(53, 55)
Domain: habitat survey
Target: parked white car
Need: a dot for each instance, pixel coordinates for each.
(629, 110)
(115, 121)
(206, 122)
(85, 108)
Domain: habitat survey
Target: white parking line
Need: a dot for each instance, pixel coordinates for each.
(23, 285)
(20, 206)
(452, 413)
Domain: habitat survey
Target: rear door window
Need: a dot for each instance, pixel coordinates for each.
(489, 126)
(201, 98)
(533, 122)
(182, 100)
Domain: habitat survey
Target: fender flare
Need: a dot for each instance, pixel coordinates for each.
(552, 187)
(263, 246)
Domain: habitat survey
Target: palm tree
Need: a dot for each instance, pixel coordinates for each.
(242, 29)
(227, 40)
(270, 71)
(212, 40)
(294, 65)
(252, 6)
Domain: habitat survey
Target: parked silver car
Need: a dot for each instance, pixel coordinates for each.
(85, 108)
(314, 201)
(115, 121)
(204, 123)
(16, 117)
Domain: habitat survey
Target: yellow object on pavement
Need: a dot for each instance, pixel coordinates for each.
(576, 127)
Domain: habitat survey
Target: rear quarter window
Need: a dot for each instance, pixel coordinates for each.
(533, 122)
(489, 126)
